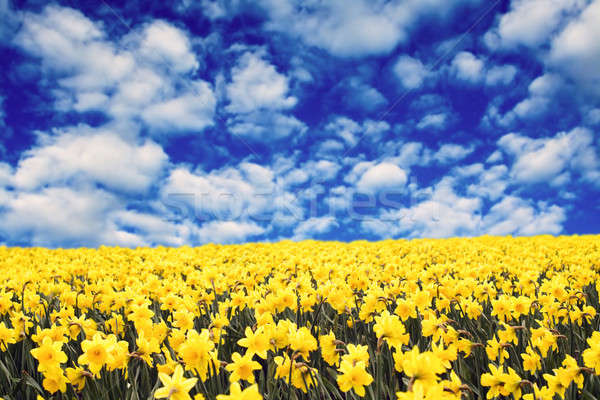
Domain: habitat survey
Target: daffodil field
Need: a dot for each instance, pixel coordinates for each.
(488, 317)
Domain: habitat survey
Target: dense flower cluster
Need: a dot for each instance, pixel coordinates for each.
(486, 317)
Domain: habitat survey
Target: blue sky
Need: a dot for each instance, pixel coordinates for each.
(188, 122)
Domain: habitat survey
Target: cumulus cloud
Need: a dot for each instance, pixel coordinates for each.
(6, 173)
(472, 69)
(164, 44)
(496, 156)
(467, 67)
(133, 77)
(362, 96)
(226, 194)
(408, 154)
(228, 205)
(57, 216)
(83, 215)
(516, 216)
(313, 227)
(246, 192)
(445, 213)
(592, 117)
(256, 84)
(576, 51)
(59, 36)
(266, 125)
(451, 152)
(82, 154)
(553, 159)
(228, 231)
(322, 170)
(257, 93)
(364, 28)
(410, 71)
(382, 176)
(500, 75)
(541, 91)
(191, 111)
(433, 121)
(442, 214)
(484, 182)
(531, 22)
(351, 132)
(134, 228)
(346, 129)
(342, 30)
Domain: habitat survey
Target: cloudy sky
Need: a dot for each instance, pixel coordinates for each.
(133, 123)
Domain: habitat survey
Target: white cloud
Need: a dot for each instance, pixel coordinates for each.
(228, 231)
(190, 111)
(344, 31)
(360, 29)
(68, 42)
(345, 128)
(362, 96)
(314, 226)
(81, 154)
(244, 192)
(295, 177)
(407, 154)
(256, 84)
(168, 46)
(144, 75)
(265, 126)
(500, 75)
(496, 156)
(552, 159)
(451, 152)
(468, 171)
(133, 228)
(433, 121)
(339, 199)
(410, 71)
(257, 95)
(541, 91)
(222, 194)
(86, 216)
(576, 49)
(545, 85)
(490, 182)
(322, 170)
(351, 132)
(592, 117)
(57, 216)
(444, 213)
(6, 173)
(257, 175)
(382, 176)
(86, 101)
(513, 215)
(329, 149)
(532, 22)
(494, 115)
(468, 67)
